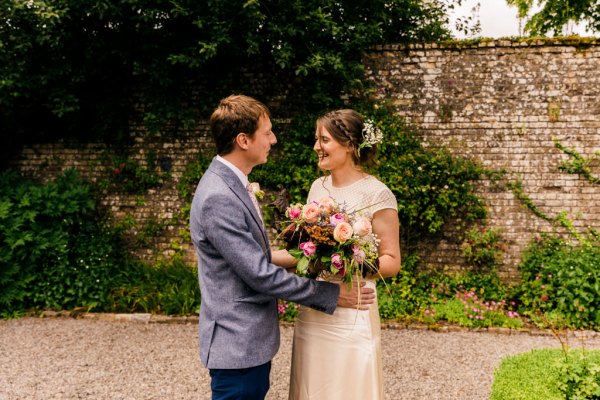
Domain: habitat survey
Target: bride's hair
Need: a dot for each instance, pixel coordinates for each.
(346, 127)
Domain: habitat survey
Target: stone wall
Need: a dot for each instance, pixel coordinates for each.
(503, 104)
(161, 205)
(499, 102)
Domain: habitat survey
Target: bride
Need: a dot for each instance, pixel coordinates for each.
(339, 356)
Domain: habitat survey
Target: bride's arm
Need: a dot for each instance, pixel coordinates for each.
(387, 228)
(283, 259)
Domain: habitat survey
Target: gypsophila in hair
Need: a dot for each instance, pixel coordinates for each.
(372, 135)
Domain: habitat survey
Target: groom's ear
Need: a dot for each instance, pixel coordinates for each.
(242, 140)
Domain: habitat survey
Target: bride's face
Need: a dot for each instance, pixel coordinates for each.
(332, 154)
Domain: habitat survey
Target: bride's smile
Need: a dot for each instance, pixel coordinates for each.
(332, 154)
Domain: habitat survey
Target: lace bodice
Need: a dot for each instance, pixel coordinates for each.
(368, 194)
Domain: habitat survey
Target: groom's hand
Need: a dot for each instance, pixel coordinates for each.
(359, 297)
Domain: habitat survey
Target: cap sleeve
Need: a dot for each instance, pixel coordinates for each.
(383, 199)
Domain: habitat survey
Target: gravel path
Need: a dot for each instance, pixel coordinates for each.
(63, 358)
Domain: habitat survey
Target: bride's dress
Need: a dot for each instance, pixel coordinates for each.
(339, 356)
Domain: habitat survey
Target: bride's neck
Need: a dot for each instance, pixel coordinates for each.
(347, 176)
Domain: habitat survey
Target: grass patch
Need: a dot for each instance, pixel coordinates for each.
(535, 375)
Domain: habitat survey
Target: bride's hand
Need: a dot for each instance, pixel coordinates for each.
(284, 259)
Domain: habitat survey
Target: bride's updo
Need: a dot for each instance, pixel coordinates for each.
(347, 127)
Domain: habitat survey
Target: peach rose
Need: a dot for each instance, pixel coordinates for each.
(310, 212)
(327, 204)
(362, 227)
(342, 232)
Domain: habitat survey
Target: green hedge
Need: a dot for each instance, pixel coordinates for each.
(55, 253)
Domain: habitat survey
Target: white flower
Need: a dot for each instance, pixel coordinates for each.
(371, 135)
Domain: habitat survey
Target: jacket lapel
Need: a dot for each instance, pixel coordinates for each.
(239, 190)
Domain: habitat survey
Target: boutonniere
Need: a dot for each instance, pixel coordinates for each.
(255, 187)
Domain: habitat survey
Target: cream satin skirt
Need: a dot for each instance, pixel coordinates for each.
(337, 356)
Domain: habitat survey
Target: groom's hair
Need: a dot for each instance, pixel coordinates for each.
(235, 114)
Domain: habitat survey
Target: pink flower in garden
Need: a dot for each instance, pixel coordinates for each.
(342, 232)
(337, 219)
(309, 248)
(544, 297)
(310, 212)
(338, 263)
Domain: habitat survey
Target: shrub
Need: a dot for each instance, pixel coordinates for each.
(483, 247)
(562, 281)
(169, 287)
(467, 309)
(471, 299)
(55, 253)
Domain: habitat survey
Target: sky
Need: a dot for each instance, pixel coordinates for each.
(497, 19)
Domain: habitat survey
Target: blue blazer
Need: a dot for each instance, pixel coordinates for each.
(239, 285)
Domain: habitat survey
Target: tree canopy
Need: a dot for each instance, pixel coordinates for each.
(555, 14)
(79, 68)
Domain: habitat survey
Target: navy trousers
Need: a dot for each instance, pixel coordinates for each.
(240, 384)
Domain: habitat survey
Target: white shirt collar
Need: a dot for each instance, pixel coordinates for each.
(242, 177)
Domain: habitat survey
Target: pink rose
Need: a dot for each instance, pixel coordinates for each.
(342, 232)
(308, 248)
(358, 254)
(294, 211)
(327, 204)
(362, 227)
(310, 212)
(336, 219)
(338, 263)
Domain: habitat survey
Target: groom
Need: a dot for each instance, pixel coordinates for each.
(239, 284)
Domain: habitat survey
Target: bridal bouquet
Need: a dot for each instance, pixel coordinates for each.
(328, 240)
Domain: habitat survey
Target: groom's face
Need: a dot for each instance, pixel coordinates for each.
(262, 140)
